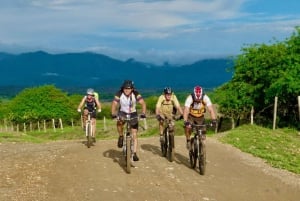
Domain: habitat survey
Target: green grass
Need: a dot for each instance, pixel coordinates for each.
(280, 148)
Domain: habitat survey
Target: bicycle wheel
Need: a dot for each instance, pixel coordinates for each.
(192, 154)
(164, 145)
(202, 157)
(89, 135)
(171, 148)
(128, 154)
(195, 146)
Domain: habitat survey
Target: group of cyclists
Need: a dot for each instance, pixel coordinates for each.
(126, 99)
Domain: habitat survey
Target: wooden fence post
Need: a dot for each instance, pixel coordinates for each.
(145, 124)
(45, 126)
(299, 106)
(39, 126)
(53, 124)
(24, 128)
(61, 124)
(252, 113)
(104, 124)
(275, 113)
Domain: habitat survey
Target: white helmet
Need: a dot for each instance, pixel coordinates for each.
(90, 91)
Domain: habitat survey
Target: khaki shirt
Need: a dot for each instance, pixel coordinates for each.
(166, 107)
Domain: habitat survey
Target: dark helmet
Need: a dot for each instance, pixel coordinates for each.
(198, 92)
(167, 90)
(127, 84)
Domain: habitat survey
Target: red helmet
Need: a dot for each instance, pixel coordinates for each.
(198, 92)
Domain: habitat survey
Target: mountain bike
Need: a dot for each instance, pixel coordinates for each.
(128, 142)
(167, 145)
(198, 147)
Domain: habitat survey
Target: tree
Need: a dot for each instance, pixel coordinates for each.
(41, 103)
(262, 72)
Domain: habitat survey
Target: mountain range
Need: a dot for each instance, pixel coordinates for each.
(75, 72)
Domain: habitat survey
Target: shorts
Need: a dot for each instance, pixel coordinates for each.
(93, 113)
(134, 123)
(196, 120)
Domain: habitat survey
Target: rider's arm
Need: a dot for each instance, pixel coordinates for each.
(210, 107)
(113, 107)
(187, 104)
(212, 112)
(98, 104)
(81, 103)
(143, 104)
(158, 105)
(177, 104)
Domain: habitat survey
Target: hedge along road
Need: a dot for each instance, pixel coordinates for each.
(67, 170)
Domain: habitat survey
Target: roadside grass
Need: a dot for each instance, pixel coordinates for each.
(280, 148)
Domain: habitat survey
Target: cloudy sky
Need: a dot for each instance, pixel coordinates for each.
(147, 30)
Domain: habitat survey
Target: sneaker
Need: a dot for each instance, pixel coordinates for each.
(188, 144)
(135, 157)
(120, 142)
(161, 139)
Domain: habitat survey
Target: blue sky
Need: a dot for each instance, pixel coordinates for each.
(178, 31)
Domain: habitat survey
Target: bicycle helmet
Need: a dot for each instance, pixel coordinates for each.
(90, 91)
(127, 84)
(167, 90)
(198, 92)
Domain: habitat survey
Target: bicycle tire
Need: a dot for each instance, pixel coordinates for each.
(171, 153)
(89, 135)
(164, 145)
(195, 155)
(192, 154)
(202, 158)
(128, 154)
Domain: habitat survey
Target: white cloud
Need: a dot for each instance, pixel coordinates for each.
(124, 27)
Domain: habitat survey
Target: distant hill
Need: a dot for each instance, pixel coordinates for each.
(76, 71)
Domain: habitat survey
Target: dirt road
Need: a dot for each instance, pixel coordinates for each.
(68, 171)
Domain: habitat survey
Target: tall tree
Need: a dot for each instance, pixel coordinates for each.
(262, 72)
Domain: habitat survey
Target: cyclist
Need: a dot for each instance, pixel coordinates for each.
(165, 106)
(90, 102)
(194, 108)
(127, 98)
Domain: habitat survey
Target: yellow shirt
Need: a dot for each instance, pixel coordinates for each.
(166, 107)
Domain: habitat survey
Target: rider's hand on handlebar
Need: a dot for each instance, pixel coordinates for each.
(142, 116)
(187, 124)
(78, 110)
(113, 116)
(214, 122)
(180, 117)
(158, 117)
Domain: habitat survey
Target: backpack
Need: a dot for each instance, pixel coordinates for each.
(197, 112)
(174, 107)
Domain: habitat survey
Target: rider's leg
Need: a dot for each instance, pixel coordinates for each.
(135, 140)
(93, 127)
(120, 132)
(161, 131)
(84, 117)
(188, 136)
(161, 127)
(135, 143)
